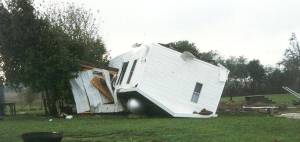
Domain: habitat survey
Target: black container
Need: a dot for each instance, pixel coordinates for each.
(42, 137)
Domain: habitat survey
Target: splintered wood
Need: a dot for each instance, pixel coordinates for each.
(100, 84)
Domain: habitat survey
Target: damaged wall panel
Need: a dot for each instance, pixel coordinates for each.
(93, 93)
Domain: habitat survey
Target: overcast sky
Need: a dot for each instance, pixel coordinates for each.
(255, 28)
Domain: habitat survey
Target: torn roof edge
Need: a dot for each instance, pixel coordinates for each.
(89, 67)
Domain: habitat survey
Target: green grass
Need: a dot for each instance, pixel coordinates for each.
(225, 128)
(250, 127)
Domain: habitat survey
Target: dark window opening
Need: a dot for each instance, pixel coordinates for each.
(131, 71)
(113, 78)
(196, 92)
(124, 67)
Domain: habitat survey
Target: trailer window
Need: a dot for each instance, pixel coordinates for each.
(124, 67)
(131, 71)
(196, 93)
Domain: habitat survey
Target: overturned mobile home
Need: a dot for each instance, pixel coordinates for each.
(152, 78)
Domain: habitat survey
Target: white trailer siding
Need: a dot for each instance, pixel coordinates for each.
(169, 81)
(137, 54)
(174, 81)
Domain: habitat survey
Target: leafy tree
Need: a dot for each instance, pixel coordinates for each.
(237, 67)
(210, 56)
(275, 79)
(80, 25)
(237, 82)
(43, 54)
(182, 46)
(291, 62)
(257, 74)
(256, 70)
(29, 97)
(185, 45)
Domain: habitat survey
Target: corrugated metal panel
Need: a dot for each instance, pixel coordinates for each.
(81, 100)
(92, 93)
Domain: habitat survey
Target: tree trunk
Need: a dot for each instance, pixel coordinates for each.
(45, 103)
(51, 103)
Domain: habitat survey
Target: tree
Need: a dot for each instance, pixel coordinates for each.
(210, 57)
(275, 79)
(29, 97)
(182, 46)
(291, 62)
(257, 74)
(42, 54)
(185, 45)
(80, 25)
(237, 67)
(238, 77)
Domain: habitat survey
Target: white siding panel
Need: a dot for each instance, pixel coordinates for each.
(171, 80)
(92, 92)
(168, 80)
(81, 100)
(139, 55)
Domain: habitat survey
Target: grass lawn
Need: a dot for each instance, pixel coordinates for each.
(225, 128)
(242, 127)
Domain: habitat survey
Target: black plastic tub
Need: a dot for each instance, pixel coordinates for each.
(42, 137)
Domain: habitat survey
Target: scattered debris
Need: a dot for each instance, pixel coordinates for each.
(69, 117)
(22, 112)
(230, 106)
(258, 100)
(290, 115)
(205, 112)
(296, 102)
(292, 92)
(66, 116)
(267, 109)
